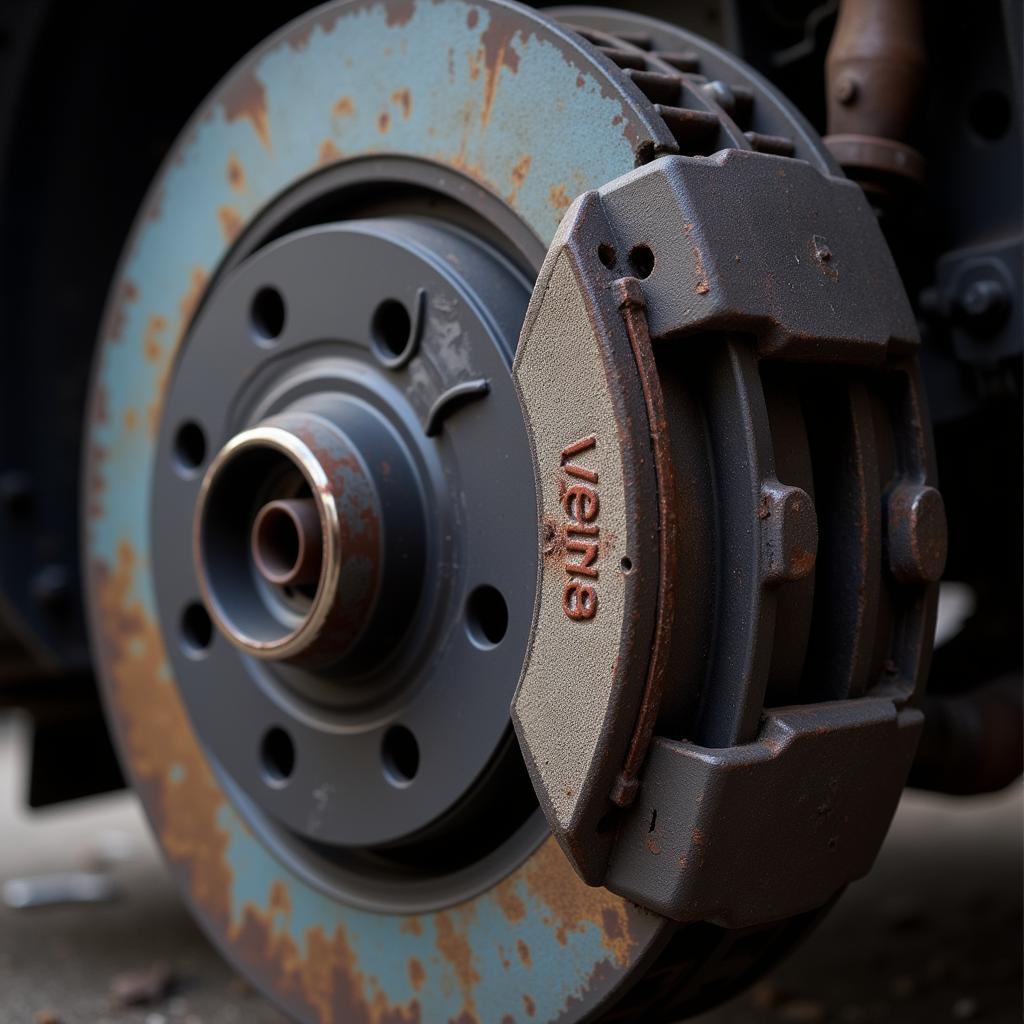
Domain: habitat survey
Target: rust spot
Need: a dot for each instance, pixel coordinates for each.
(498, 54)
(559, 198)
(236, 174)
(403, 99)
(156, 732)
(417, 975)
(453, 945)
(702, 286)
(509, 901)
(571, 907)
(529, 1006)
(126, 295)
(524, 953)
(328, 154)
(230, 223)
(399, 12)
(612, 923)
(245, 97)
(822, 255)
(580, 81)
(151, 345)
(520, 170)
(653, 845)
(344, 107)
(412, 926)
(475, 62)
(131, 419)
(472, 18)
(383, 122)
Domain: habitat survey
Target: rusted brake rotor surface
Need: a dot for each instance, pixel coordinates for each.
(308, 477)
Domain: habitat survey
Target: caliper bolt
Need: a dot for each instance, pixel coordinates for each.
(984, 303)
(916, 521)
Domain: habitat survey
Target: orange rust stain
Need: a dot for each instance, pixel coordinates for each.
(524, 952)
(344, 107)
(230, 223)
(529, 1006)
(559, 198)
(126, 295)
(245, 97)
(412, 926)
(383, 122)
(236, 174)
(453, 945)
(475, 63)
(186, 310)
(157, 734)
(472, 18)
(498, 54)
(151, 346)
(322, 981)
(573, 907)
(399, 12)
(417, 975)
(702, 286)
(519, 173)
(329, 153)
(509, 900)
(403, 99)
(131, 419)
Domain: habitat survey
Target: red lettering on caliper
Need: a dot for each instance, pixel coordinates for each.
(581, 504)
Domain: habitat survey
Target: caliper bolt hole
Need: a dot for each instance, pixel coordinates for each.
(641, 259)
(606, 254)
(268, 315)
(400, 754)
(190, 447)
(487, 616)
(277, 753)
(196, 630)
(391, 330)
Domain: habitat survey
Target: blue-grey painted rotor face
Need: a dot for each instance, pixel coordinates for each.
(484, 93)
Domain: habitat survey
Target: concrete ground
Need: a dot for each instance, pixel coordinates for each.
(934, 934)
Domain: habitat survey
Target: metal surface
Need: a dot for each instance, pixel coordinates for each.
(732, 468)
(442, 82)
(740, 302)
(875, 79)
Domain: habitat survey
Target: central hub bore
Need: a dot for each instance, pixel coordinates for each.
(290, 537)
(287, 542)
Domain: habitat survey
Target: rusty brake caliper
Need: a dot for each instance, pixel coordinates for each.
(740, 532)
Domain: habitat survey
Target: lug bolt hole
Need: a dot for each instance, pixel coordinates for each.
(641, 259)
(487, 616)
(196, 630)
(626, 564)
(606, 254)
(277, 754)
(268, 315)
(391, 330)
(400, 754)
(190, 447)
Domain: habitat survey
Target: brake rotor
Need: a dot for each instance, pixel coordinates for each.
(315, 567)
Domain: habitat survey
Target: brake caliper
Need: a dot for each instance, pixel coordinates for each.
(741, 536)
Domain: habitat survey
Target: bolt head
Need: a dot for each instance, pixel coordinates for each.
(916, 520)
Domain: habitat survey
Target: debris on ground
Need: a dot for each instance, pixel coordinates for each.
(143, 987)
(58, 887)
